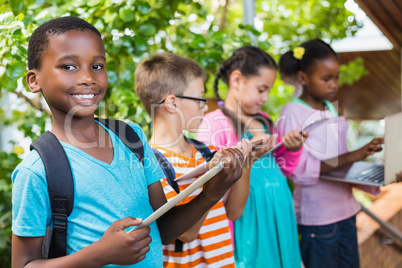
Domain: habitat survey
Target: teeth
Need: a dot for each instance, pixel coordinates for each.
(84, 96)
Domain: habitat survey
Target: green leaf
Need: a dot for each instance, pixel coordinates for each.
(20, 17)
(147, 29)
(16, 6)
(7, 18)
(112, 76)
(93, 3)
(215, 56)
(166, 11)
(110, 16)
(18, 71)
(140, 43)
(40, 2)
(127, 14)
(144, 8)
(99, 25)
(199, 41)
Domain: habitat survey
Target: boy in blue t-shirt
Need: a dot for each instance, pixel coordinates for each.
(66, 60)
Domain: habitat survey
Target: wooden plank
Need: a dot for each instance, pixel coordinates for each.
(381, 65)
(368, 98)
(371, 8)
(393, 11)
(398, 3)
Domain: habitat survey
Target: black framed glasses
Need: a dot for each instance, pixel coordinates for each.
(203, 101)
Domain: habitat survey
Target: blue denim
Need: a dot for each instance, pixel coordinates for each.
(330, 246)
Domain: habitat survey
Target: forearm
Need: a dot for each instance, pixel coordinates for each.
(193, 232)
(238, 195)
(337, 162)
(181, 218)
(83, 258)
(90, 256)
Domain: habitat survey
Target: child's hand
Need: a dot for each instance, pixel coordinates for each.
(215, 188)
(245, 147)
(293, 141)
(268, 142)
(125, 248)
(398, 177)
(369, 149)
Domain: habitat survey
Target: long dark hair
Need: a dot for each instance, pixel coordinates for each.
(248, 60)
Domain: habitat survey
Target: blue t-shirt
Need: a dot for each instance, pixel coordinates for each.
(103, 193)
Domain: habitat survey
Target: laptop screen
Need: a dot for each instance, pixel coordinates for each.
(393, 147)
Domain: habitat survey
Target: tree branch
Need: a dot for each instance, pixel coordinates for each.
(224, 12)
(33, 102)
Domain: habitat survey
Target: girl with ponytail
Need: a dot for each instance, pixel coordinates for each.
(266, 234)
(325, 210)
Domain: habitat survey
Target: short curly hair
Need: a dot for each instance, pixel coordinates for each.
(40, 37)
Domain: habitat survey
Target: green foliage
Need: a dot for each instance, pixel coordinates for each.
(133, 30)
(352, 72)
(293, 22)
(7, 165)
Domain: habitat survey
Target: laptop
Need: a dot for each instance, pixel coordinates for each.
(373, 174)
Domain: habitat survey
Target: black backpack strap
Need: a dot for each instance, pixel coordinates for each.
(127, 135)
(170, 175)
(60, 185)
(167, 169)
(203, 149)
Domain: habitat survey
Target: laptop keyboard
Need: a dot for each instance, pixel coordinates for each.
(373, 174)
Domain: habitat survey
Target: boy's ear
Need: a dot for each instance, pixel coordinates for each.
(301, 77)
(32, 79)
(170, 104)
(234, 79)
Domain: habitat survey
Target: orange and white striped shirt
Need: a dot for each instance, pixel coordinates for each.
(213, 245)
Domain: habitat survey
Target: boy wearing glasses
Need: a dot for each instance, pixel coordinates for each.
(171, 88)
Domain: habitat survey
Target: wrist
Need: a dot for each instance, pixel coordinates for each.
(207, 199)
(247, 169)
(99, 256)
(294, 149)
(355, 156)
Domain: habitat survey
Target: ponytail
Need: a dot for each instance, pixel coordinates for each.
(288, 65)
(216, 82)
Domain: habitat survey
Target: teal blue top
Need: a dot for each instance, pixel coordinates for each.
(103, 194)
(266, 234)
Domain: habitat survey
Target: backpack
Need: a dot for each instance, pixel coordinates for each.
(61, 185)
(170, 174)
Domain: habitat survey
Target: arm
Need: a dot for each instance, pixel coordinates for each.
(351, 157)
(238, 194)
(215, 128)
(193, 232)
(181, 218)
(288, 156)
(398, 177)
(116, 246)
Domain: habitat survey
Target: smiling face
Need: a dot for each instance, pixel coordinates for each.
(72, 76)
(322, 82)
(253, 90)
